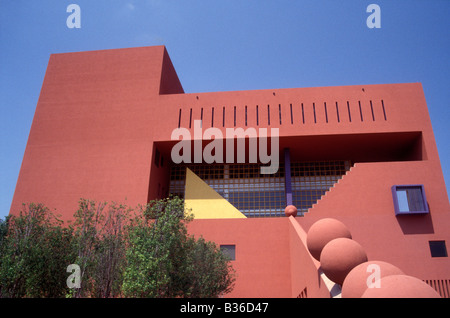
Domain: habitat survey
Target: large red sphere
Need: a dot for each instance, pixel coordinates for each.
(322, 232)
(365, 275)
(339, 257)
(401, 286)
(290, 210)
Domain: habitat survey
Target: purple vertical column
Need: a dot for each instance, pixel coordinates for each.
(287, 176)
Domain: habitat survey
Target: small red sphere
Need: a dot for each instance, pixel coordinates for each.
(290, 210)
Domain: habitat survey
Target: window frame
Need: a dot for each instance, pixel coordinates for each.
(395, 188)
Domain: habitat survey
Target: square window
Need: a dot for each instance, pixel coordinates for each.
(229, 250)
(438, 249)
(409, 199)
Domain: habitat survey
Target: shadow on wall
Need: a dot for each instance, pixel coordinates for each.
(416, 224)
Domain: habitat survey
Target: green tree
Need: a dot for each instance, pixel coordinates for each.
(208, 272)
(163, 261)
(149, 255)
(88, 218)
(100, 248)
(4, 225)
(34, 254)
(110, 253)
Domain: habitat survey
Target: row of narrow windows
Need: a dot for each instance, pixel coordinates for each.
(336, 111)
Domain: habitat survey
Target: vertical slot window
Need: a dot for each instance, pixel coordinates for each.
(268, 115)
(223, 117)
(337, 112)
(292, 117)
(246, 115)
(257, 115)
(279, 112)
(303, 114)
(234, 116)
(371, 108)
(212, 117)
(314, 110)
(349, 114)
(190, 118)
(201, 118)
(360, 111)
(326, 113)
(179, 119)
(384, 110)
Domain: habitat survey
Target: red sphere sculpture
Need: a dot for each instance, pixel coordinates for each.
(401, 286)
(322, 232)
(339, 257)
(290, 210)
(367, 274)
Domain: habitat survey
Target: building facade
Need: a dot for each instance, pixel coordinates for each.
(107, 123)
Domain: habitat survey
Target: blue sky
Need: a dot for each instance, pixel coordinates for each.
(229, 45)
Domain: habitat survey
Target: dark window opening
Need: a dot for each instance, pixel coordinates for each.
(314, 109)
(438, 249)
(245, 115)
(371, 108)
(337, 112)
(201, 118)
(303, 114)
(292, 117)
(349, 115)
(229, 251)
(279, 112)
(384, 110)
(257, 115)
(360, 111)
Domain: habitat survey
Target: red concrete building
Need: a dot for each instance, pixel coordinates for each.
(364, 155)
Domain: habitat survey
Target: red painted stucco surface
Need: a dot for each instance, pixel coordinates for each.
(101, 115)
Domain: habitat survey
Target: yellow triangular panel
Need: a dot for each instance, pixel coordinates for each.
(205, 202)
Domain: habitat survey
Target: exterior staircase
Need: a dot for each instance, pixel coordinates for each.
(327, 192)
